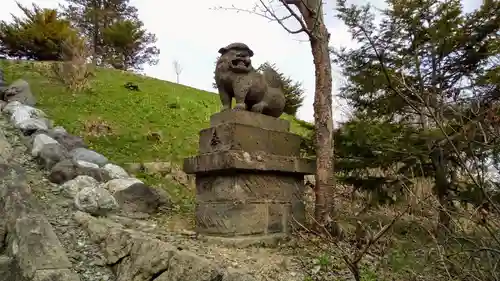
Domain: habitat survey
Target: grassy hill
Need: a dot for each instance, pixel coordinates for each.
(126, 118)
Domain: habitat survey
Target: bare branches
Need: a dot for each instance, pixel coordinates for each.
(267, 11)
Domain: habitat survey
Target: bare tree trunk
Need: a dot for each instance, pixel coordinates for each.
(319, 38)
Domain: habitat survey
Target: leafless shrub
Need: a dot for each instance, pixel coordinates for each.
(74, 71)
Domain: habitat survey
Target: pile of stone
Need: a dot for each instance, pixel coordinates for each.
(96, 185)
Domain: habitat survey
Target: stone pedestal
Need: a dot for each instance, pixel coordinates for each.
(249, 178)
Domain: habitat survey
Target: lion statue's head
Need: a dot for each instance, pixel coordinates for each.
(235, 57)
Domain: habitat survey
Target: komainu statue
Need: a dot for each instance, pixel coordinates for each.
(253, 91)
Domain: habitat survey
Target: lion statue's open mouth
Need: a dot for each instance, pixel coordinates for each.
(241, 63)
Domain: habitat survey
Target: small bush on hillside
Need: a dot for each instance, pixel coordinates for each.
(74, 72)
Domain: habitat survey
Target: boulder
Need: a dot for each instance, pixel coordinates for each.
(71, 188)
(69, 169)
(19, 91)
(141, 198)
(115, 171)
(88, 155)
(10, 107)
(31, 125)
(39, 142)
(95, 200)
(70, 142)
(115, 185)
(51, 154)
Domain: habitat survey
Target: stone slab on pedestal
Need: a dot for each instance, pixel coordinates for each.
(234, 136)
(250, 118)
(242, 160)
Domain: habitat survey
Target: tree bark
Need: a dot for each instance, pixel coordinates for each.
(319, 37)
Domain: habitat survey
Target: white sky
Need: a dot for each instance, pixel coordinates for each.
(189, 33)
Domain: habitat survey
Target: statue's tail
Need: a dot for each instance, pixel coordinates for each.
(272, 78)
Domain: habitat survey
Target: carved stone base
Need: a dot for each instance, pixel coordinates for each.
(249, 180)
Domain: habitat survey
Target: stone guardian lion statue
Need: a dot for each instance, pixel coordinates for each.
(236, 78)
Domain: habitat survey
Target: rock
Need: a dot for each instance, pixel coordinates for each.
(38, 247)
(86, 164)
(32, 125)
(63, 274)
(115, 171)
(6, 149)
(161, 168)
(115, 185)
(20, 91)
(179, 177)
(59, 130)
(69, 141)
(88, 155)
(72, 187)
(20, 112)
(95, 201)
(7, 264)
(39, 142)
(10, 107)
(69, 169)
(133, 168)
(51, 154)
(140, 198)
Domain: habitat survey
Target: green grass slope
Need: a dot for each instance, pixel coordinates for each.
(176, 112)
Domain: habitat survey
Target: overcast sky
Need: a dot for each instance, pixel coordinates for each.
(192, 33)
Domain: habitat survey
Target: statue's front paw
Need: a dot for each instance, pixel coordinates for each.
(240, 106)
(259, 107)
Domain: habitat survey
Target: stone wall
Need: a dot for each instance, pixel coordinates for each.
(30, 248)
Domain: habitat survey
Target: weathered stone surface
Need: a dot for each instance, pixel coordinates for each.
(51, 154)
(86, 164)
(71, 188)
(88, 155)
(10, 107)
(21, 112)
(95, 201)
(68, 169)
(250, 118)
(116, 185)
(248, 138)
(70, 142)
(39, 142)
(142, 198)
(5, 149)
(247, 187)
(36, 246)
(32, 125)
(241, 218)
(9, 270)
(19, 90)
(56, 275)
(199, 269)
(253, 187)
(241, 160)
(136, 257)
(115, 171)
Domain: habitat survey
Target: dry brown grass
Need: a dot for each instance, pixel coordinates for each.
(74, 71)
